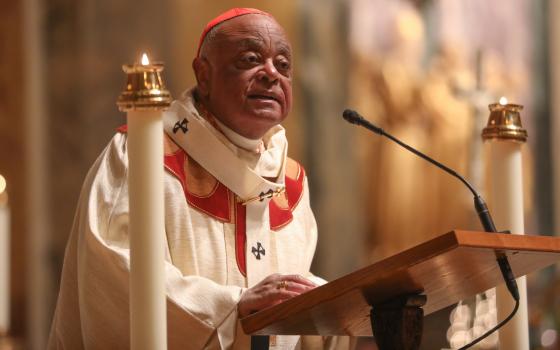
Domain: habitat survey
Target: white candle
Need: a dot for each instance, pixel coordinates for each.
(4, 259)
(144, 100)
(507, 209)
(147, 274)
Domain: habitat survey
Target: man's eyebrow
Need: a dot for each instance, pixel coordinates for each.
(256, 43)
(285, 49)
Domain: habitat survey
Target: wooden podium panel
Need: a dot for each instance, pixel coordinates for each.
(447, 269)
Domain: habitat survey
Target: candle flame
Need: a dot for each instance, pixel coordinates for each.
(145, 61)
(503, 101)
(2, 184)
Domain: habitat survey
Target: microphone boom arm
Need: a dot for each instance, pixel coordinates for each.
(481, 208)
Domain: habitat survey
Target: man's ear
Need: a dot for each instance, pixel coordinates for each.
(201, 68)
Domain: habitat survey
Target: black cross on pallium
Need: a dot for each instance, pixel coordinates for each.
(258, 251)
(181, 125)
(263, 195)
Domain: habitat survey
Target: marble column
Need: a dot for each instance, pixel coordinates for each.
(39, 276)
(330, 158)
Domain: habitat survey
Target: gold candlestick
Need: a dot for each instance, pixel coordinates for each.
(505, 136)
(144, 100)
(144, 89)
(504, 122)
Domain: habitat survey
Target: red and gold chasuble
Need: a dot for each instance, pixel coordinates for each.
(221, 185)
(226, 229)
(213, 198)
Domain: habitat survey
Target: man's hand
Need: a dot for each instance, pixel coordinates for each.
(271, 291)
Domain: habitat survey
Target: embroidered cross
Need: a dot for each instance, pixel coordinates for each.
(263, 195)
(258, 251)
(181, 125)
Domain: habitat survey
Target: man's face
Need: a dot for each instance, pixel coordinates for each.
(249, 75)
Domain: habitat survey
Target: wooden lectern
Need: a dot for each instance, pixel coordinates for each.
(390, 293)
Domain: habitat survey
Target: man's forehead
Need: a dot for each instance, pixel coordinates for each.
(251, 27)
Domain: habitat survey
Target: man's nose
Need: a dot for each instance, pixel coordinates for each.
(269, 71)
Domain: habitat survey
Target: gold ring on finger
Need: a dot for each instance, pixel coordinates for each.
(282, 285)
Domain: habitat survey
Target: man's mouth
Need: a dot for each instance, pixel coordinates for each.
(263, 97)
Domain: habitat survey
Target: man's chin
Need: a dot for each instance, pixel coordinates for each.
(270, 111)
(260, 123)
(267, 115)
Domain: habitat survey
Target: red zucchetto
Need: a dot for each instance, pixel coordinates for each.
(229, 14)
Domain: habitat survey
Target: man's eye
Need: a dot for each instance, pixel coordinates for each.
(250, 58)
(283, 65)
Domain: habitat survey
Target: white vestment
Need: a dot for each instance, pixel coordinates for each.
(216, 246)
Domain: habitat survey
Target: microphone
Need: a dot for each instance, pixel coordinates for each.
(484, 216)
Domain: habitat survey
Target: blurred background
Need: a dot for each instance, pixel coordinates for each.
(425, 70)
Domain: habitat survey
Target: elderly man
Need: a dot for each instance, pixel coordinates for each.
(240, 233)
